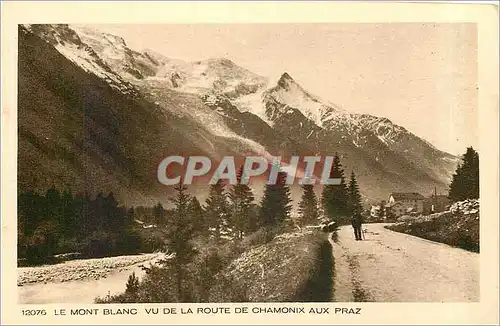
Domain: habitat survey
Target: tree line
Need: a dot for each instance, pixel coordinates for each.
(233, 213)
(60, 222)
(57, 223)
(465, 181)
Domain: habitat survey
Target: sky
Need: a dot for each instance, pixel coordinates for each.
(421, 76)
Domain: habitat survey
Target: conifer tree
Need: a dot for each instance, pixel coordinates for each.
(465, 182)
(53, 206)
(180, 234)
(113, 218)
(30, 210)
(159, 214)
(132, 284)
(83, 210)
(68, 223)
(354, 197)
(97, 222)
(130, 216)
(276, 202)
(308, 206)
(196, 213)
(217, 211)
(253, 222)
(241, 204)
(334, 197)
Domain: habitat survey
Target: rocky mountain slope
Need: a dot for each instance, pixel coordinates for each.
(95, 114)
(78, 130)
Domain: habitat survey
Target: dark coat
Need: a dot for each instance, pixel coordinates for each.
(356, 221)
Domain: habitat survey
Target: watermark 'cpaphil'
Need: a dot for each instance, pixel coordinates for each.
(253, 166)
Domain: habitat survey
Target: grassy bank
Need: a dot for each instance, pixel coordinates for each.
(458, 227)
(264, 267)
(292, 267)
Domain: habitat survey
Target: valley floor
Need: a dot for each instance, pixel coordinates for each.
(79, 281)
(386, 267)
(395, 267)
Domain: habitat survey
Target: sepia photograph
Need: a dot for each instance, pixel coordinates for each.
(102, 106)
(271, 169)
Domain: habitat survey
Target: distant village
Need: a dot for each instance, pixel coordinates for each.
(409, 203)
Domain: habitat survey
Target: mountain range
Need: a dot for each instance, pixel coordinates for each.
(95, 115)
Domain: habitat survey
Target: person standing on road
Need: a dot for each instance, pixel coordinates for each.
(357, 222)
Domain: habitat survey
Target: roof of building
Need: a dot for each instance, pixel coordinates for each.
(395, 204)
(407, 196)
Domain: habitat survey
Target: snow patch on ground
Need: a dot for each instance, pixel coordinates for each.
(466, 207)
(80, 269)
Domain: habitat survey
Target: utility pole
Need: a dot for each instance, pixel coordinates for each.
(435, 199)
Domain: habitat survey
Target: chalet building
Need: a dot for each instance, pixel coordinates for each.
(401, 203)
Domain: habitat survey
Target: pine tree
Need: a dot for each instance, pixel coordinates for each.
(217, 211)
(52, 223)
(97, 216)
(159, 214)
(30, 208)
(197, 214)
(465, 182)
(241, 204)
(53, 207)
(253, 223)
(276, 202)
(180, 234)
(68, 224)
(308, 206)
(113, 220)
(354, 197)
(83, 210)
(132, 284)
(334, 197)
(130, 216)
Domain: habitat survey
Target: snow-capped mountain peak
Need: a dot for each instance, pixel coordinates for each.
(287, 82)
(206, 105)
(290, 93)
(218, 75)
(70, 44)
(129, 64)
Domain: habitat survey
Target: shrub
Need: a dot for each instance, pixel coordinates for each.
(232, 272)
(202, 283)
(285, 269)
(261, 236)
(455, 227)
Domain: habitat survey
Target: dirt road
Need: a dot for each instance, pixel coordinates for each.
(79, 281)
(395, 267)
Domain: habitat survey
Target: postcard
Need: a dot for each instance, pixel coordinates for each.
(249, 163)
